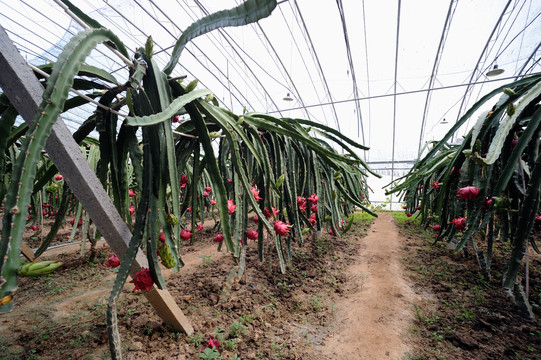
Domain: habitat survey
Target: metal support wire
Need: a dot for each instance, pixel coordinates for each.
(405, 92)
(84, 25)
(367, 79)
(52, 20)
(475, 70)
(352, 70)
(297, 20)
(163, 49)
(522, 72)
(44, 74)
(295, 89)
(394, 95)
(318, 63)
(439, 52)
(493, 40)
(191, 53)
(231, 41)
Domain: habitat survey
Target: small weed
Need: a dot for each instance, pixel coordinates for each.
(229, 344)
(147, 329)
(277, 351)
(195, 339)
(210, 353)
(363, 279)
(316, 304)
(465, 315)
(284, 286)
(237, 329)
(205, 260)
(175, 335)
(429, 319)
(246, 319)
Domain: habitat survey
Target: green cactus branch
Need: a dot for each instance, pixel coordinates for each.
(248, 12)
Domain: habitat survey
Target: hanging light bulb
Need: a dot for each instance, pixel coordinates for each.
(288, 97)
(495, 71)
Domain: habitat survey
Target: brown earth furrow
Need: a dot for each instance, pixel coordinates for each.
(372, 320)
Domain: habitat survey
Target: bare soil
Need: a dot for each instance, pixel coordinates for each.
(375, 313)
(268, 315)
(462, 315)
(381, 296)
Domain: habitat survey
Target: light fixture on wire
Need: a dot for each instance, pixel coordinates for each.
(288, 97)
(495, 71)
(444, 122)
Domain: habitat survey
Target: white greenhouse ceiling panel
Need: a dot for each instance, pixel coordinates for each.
(386, 73)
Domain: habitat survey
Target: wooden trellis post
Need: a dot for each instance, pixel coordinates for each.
(25, 93)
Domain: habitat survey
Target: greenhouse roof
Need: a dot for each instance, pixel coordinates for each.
(391, 75)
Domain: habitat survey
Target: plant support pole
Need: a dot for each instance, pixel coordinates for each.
(25, 93)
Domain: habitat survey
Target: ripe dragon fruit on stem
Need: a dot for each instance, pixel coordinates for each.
(468, 192)
(459, 223)
(282, 228)
(143, 280)
(219, 238)
(230, 206)
(255, 192)
(113, 261)
(252, 234)
(314, 199)
(185, 234)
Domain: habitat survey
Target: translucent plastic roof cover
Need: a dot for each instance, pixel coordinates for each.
(386, 73)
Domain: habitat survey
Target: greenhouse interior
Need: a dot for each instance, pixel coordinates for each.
(262, 179)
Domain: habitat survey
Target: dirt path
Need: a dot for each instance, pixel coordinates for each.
(373, 318)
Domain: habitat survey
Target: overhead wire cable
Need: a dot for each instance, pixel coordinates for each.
(79, 93)
(408, 92)
(394, 96)
(318, 63)
(230, 41)
(157, 45)
(83, 24)
(445, 31)
(66, 30)
(279, 59)
(247, 55)
(522, 71)
(475, 70)
(352, 70)
(499, 52)
(314, 87)
(197, 58)
(367, 79)
(522, 38)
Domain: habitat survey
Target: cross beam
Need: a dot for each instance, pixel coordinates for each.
(25, 93)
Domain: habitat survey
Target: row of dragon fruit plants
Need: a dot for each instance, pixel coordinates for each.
(163, 174)
(485, 192)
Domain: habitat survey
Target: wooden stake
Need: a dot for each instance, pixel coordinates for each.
(25, 93)
(27, 252)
